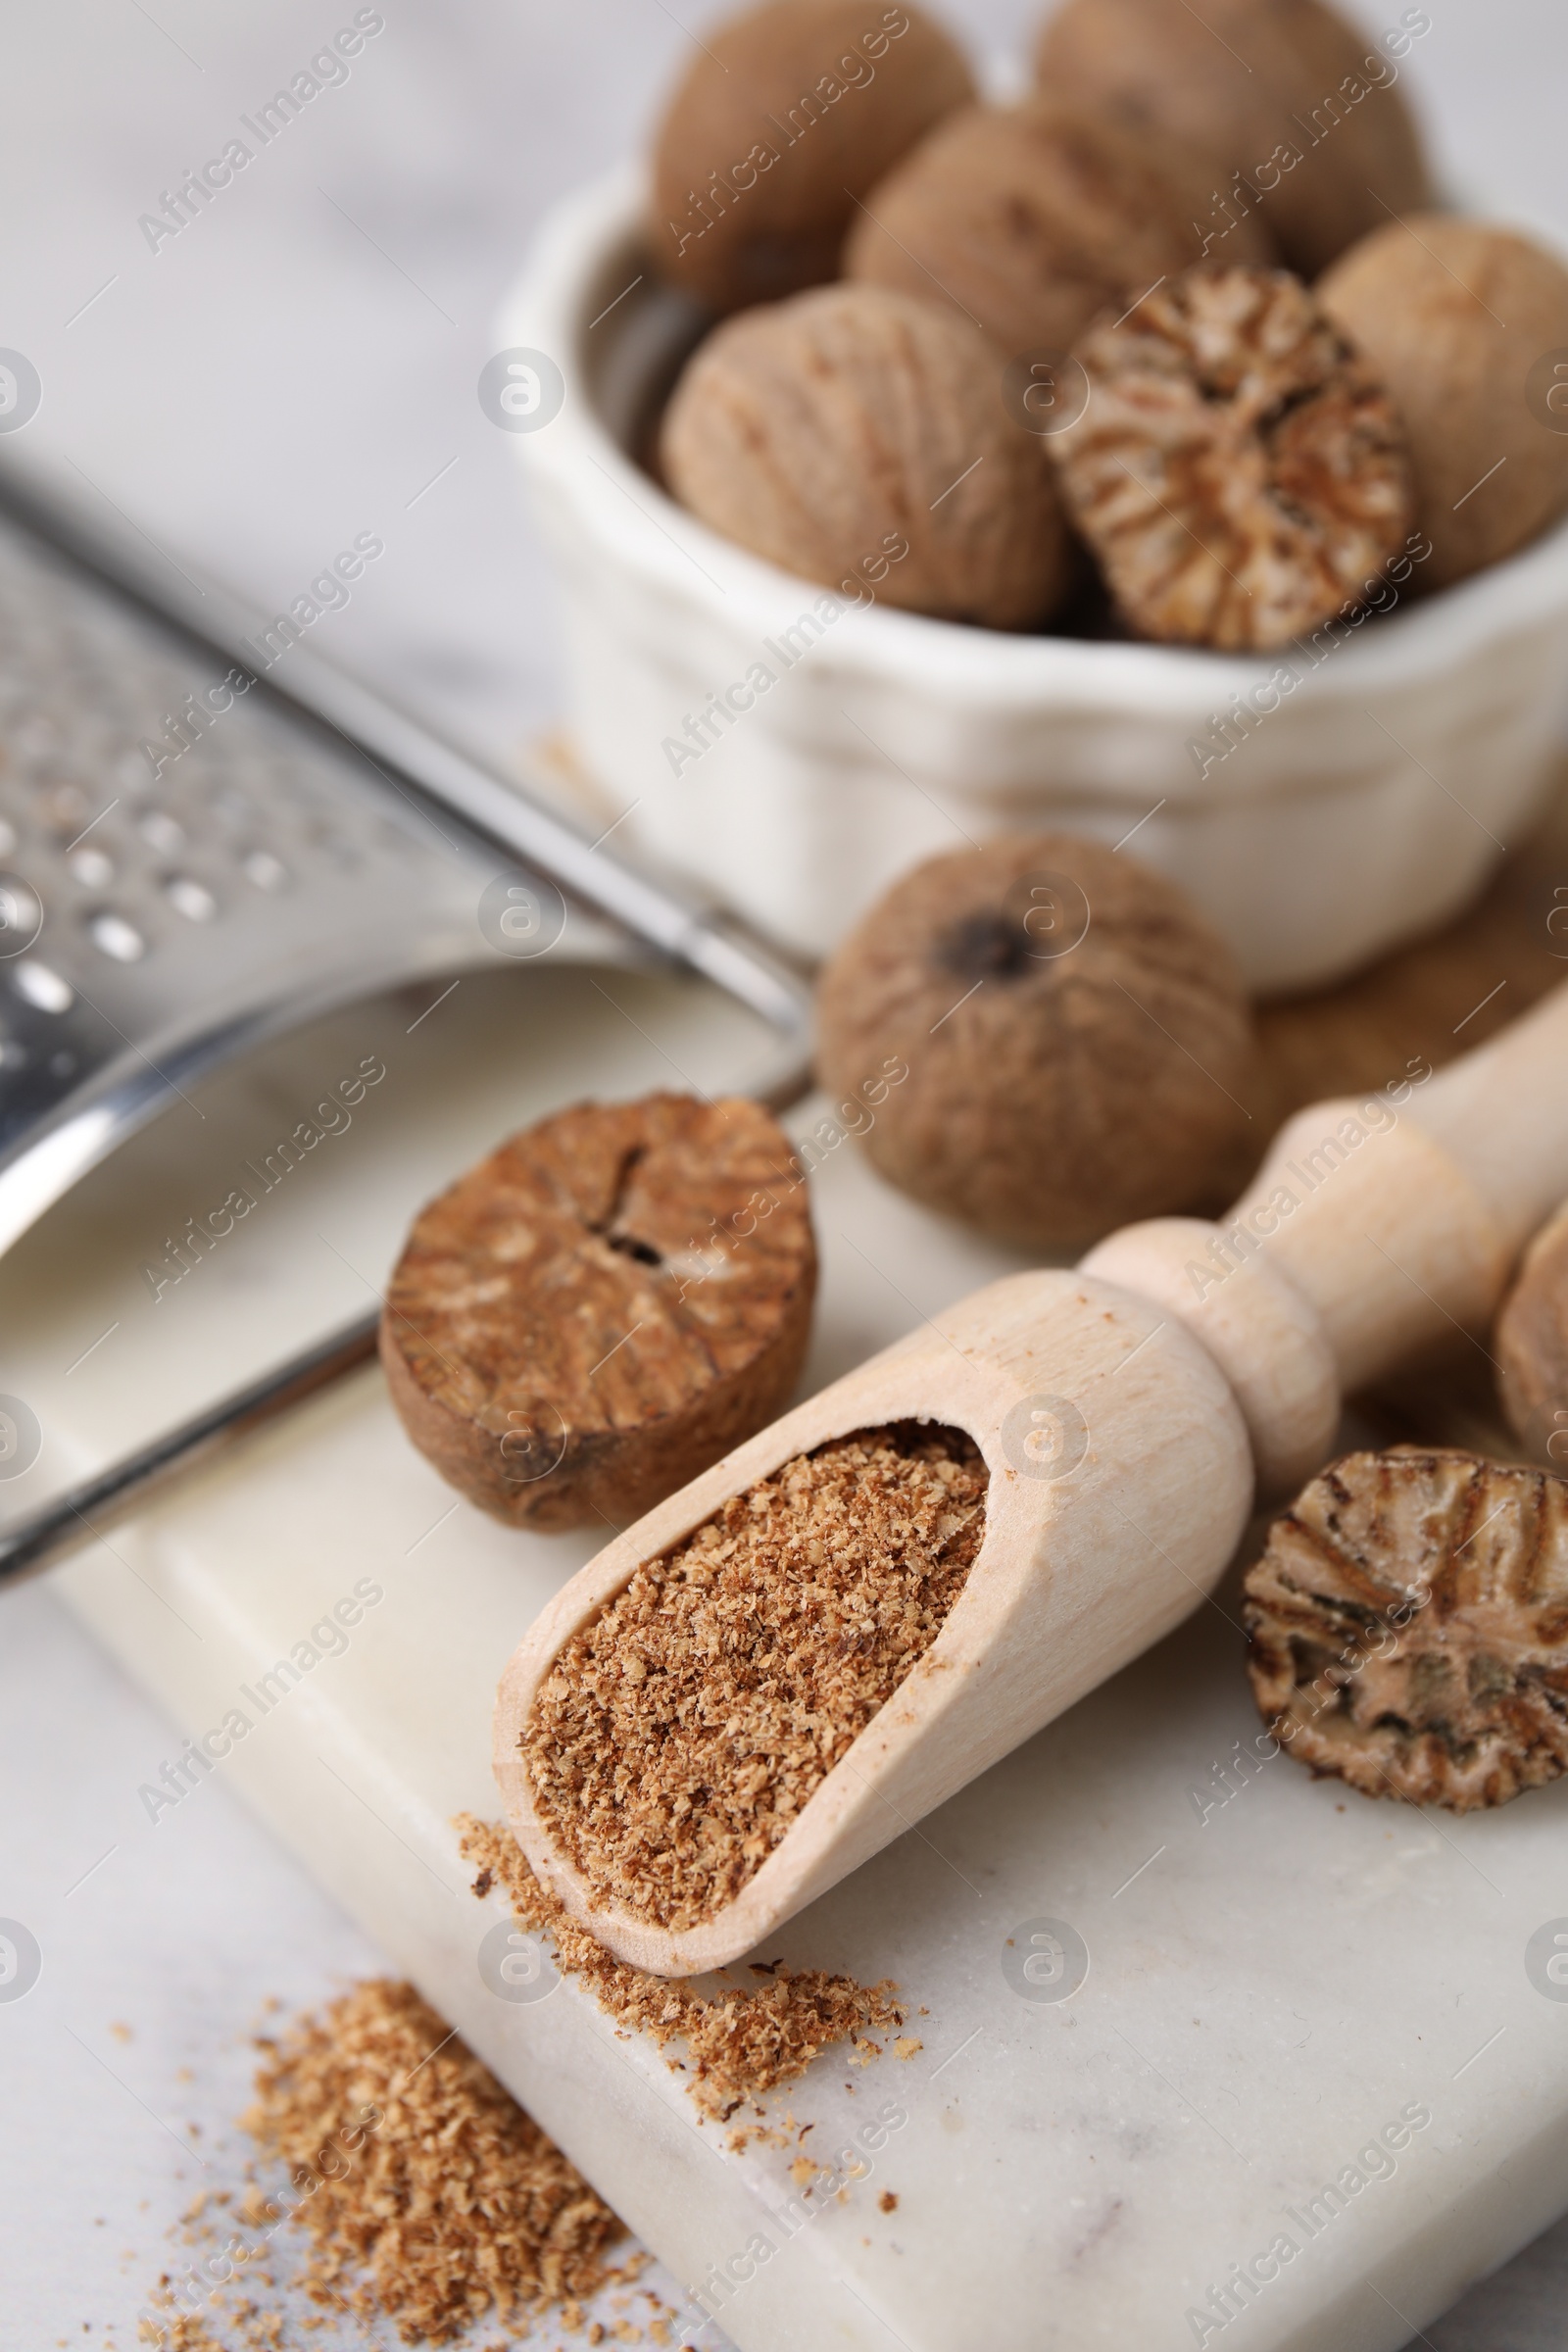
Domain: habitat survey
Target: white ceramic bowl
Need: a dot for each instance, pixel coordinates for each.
(1364, 809)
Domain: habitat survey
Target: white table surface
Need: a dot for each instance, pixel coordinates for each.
(297, 367)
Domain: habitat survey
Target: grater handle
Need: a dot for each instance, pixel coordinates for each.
(81, 1515)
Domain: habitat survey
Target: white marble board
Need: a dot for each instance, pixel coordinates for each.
(1275, 1977)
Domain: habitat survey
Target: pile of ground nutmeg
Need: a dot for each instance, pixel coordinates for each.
(681, 1733)
(419, 2191)
(454, 2204)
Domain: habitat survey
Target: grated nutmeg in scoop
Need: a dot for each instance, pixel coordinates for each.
(1239, 472)
(688, 1726)
(1408, 1627)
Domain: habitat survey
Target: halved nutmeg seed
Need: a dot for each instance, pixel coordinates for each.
(1238, 471)
(602, 1307)
(1408, 1627)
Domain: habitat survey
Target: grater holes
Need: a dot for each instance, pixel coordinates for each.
(190, 898)
(245, 851)
(62, 807)
(264, 869)
(230, 806)
(161, 831)
(112, 935)
(42, 987)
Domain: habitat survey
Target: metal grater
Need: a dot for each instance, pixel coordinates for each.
(190, 864)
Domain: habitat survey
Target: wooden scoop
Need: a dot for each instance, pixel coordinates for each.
(1125, 1411)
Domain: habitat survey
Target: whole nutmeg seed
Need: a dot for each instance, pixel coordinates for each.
(1298, 110)
(1076, 1040)
(854, 434)
(1238, 471)
(1463, 322)
(1033, 220)
(1531, 1341)
(788, 114)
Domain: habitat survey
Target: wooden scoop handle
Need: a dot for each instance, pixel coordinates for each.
(1377, 1225)
(1502, 1114)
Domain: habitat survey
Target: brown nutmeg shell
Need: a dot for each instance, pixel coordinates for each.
(1300, 113)
(1461, 320)
(1531, 1344)
(858, 438)
(603, 1307)
(1077, 1043)
(1033, 220)
(787, 115)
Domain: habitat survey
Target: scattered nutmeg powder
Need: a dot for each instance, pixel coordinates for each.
(455, 2206)
(421, 2191)
(683, 1730)
(739, 2043)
